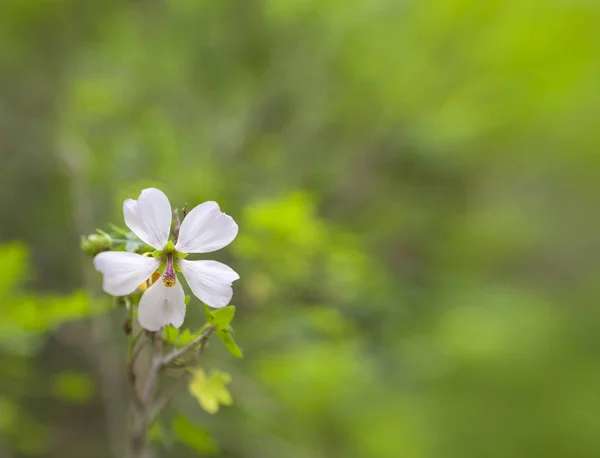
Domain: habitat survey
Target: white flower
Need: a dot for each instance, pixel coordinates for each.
(203, 230)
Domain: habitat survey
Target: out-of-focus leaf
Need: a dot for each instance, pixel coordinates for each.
(195, 437)
(210, 391)
(13, 266)
(156, 432)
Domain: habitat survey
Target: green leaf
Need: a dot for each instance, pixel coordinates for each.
(186, 300)
(170, 334)
(209, 314)
(185, 338)
(227, 338)
(180, 337)
(195, 437)
(222, 317)
(210, 392)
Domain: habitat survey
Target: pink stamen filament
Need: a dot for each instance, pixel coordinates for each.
(169, 279)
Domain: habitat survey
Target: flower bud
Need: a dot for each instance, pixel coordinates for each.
(95, 243)
(86, 246)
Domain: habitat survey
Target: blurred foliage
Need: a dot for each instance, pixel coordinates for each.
(416, 185)
(26, 317)
(73, 387)
(26, 320)
(198, 439)
(210, 391)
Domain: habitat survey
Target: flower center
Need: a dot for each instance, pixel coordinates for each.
(169, 279)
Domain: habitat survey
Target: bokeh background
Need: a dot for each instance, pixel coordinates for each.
(416, 185)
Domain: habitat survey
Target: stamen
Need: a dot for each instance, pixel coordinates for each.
(148, 283)
(169, 279)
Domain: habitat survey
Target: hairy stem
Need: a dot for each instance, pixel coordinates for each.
(147, 406)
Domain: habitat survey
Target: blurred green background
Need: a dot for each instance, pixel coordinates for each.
(416, 185)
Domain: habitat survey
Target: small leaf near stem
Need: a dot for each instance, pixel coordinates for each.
(200, 340)
(148, 406)
(221, 319)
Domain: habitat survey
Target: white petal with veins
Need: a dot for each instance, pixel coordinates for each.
(210, 281)
(149, 217)
(161, 305)
(206, 228)
(124, 272)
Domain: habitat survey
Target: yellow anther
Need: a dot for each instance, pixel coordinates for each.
(169, 282)
(144, 286)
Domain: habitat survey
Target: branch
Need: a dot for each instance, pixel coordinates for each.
(157, 359)
(176, 224)
(200, 340)
(161, 402)
(137, 351)
(147, 412)
(137, 401)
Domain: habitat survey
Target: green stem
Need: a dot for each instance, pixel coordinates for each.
(133, 342)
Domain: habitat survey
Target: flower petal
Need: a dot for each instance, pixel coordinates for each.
(206, 228)
(124, 272)
(210, 281)
(149, 217)
(161, 305)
